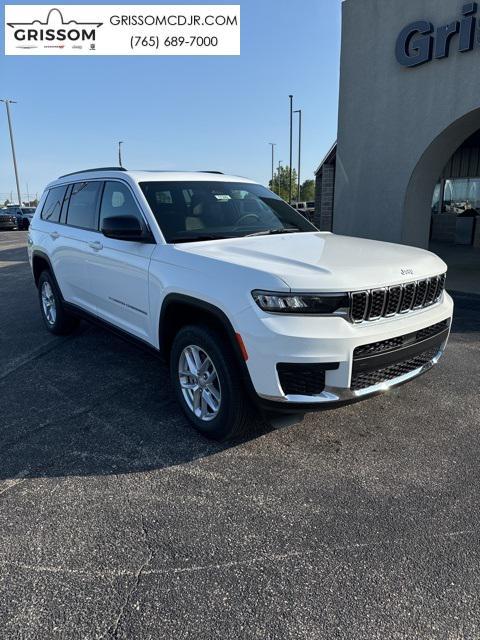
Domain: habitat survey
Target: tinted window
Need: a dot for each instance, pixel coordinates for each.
(117, 200)
(82, 209)
(197, 210)
(53, 204)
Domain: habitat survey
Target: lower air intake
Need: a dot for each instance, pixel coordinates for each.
(303, 379)
(366, 379)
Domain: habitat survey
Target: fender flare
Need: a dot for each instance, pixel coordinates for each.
(221, 317)
(44, 256)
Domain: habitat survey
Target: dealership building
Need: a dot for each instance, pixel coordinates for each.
(406, 165)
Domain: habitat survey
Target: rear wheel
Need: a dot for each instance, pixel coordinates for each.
(208, 384)
(56, 318)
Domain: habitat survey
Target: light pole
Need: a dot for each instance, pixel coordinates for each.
(299, 111)
(7, 106)
(120, 142)
(279, 179)
(273, 145)
(291, 140)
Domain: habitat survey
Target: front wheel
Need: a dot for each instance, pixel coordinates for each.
(208, 384)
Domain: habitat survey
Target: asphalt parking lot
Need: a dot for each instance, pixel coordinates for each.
(118, 521)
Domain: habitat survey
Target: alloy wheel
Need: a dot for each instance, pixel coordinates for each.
(199, 383)
(48, 303)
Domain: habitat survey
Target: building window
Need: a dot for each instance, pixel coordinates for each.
(460, 197)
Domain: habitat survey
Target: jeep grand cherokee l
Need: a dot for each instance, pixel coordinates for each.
(239, 292)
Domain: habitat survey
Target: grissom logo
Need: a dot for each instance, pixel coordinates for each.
(54, 30)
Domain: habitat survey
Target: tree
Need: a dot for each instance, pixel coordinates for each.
(280, 182)
(307, 191)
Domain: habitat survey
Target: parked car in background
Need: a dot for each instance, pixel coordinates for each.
(300, 206)
(307, 209)
(8, 220)
(24, 215)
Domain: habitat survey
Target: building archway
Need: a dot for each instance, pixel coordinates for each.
(449, 166)
(418, 200)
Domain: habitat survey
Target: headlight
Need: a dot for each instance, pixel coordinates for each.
(302, 303)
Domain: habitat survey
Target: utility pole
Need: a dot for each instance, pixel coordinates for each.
(299, 111)
(7, 106)
(291, 140)
(273, 145)
(120, 142)
(291, 151)
(279, 179)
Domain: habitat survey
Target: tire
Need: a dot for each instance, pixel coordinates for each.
(234, 415)
(55, 317)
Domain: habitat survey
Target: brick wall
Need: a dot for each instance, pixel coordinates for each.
(324, 197)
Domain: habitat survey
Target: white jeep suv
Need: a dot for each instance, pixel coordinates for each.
(239, 292)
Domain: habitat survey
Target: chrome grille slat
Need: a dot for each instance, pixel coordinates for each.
(358, 306)
(408, 296)
(422, 288)
(394, 299)
(376, 307)
(431, 291)
(368, 306)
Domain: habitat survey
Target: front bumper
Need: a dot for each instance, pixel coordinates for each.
(8, 224)
(271, 340)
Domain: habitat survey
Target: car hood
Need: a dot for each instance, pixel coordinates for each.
(324, 261)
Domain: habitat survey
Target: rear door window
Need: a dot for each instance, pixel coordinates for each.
(53, 204)
(82, 208)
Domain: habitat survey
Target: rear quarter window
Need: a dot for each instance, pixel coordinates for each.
(53, 204)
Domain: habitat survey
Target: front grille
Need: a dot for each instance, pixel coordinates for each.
(366, 379)
(383, 346)
(303, 379)
(386, 303)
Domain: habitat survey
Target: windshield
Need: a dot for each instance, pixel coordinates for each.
(28, 210)
(197, 210)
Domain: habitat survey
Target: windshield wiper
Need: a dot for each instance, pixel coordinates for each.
(272, 232)
(197, 238)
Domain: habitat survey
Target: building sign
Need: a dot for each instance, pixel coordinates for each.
(420, 42)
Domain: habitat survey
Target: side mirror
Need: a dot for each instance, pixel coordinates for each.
(125, 228)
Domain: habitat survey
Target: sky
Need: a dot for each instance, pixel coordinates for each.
(183, 112)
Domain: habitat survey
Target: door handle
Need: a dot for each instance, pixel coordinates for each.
(54, 235)
(96, 246)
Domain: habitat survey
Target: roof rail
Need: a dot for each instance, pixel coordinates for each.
(219, 172)
(97, 169)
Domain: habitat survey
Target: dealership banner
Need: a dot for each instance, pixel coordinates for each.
(88, 29)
